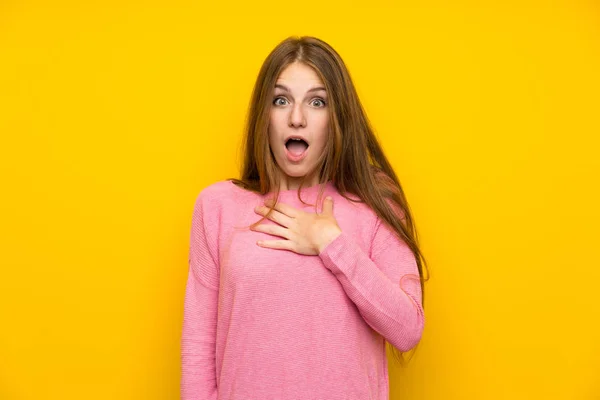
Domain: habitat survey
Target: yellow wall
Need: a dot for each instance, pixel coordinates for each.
(114, 116)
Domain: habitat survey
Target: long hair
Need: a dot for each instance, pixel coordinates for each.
(352, 160)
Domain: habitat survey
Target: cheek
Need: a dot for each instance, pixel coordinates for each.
(278, 117)
(273, 128)
(320, 120)
(276, 124)
(321, 131)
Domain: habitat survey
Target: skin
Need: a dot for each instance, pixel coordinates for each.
(300, 231)
(299, 108)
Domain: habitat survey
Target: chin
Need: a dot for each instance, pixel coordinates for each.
(295, 171)
(294, 174)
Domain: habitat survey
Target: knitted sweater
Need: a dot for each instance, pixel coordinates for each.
(264, 324)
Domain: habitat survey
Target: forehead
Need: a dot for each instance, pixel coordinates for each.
(299, 75)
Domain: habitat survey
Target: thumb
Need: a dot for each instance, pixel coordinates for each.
(328, 205)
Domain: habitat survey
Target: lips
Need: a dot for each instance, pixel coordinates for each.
(296, 148)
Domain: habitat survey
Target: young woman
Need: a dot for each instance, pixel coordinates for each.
(302, 270)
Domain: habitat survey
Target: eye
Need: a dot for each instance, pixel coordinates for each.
(320, 103)
(277, 102)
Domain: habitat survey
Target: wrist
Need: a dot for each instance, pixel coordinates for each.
(327, 236)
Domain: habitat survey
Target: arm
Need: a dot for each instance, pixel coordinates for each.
(385, 286)
(198, 341)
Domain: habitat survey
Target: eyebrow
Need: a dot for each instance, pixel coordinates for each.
(315, 89)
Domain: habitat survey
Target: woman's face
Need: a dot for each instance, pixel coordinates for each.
(299, 120)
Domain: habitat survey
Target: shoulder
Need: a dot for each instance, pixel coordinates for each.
(220, 194)
(216, 190)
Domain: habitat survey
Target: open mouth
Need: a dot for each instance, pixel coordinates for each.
(296, 146)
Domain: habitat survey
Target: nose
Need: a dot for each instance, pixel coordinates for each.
(297, 116)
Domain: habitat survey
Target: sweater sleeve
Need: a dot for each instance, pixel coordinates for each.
(198, 342)
(384, 285)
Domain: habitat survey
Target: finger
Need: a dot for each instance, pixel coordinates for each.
(276, 244)
(328, 206)
(275, 216)
(283, 208)
(275, 230)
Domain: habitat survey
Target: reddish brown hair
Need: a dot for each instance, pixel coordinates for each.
(352, 159)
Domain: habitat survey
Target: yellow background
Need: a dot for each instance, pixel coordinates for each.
(114, 115)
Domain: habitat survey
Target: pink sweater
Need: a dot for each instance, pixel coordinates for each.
(266, 324)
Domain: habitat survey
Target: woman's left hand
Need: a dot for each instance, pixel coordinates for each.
(302, 232)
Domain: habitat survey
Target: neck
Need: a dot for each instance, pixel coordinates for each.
(293, 183)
